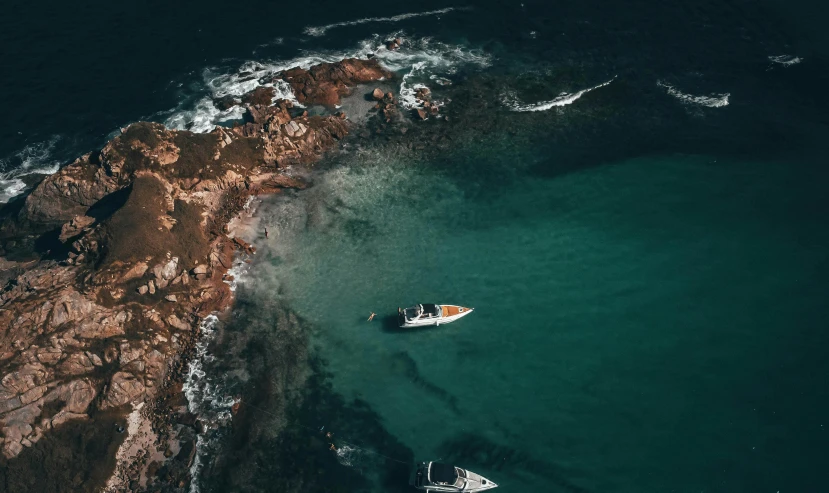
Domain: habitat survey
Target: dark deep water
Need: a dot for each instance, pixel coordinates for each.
(666, 252)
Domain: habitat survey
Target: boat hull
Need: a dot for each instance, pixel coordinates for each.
(449, 314)
(458, 480)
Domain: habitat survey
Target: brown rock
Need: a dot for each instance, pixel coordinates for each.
(135, 272)
(123, 388)
(377, 94)
(261, 96)
(225, 103)
(326, 82)
(74, 227)
(177, 323)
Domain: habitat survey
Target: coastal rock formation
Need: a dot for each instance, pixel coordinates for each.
(112, 262)
(325, 83)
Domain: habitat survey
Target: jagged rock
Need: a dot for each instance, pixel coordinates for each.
(96, 360)
(135, 272)
(294, 129)
(166, 271)
(176, 322)
(326, 82)
(151, 287)
(182, 278)
(260, 96)
(393, 44)
(76, 364)
(129, 354)
(74, 227)
(143, 289)
(423, 94)
(64, 416)
(225, 103)
(49, 356)
(123, 388)
(421, 113)
(32, 395)
(171, 298)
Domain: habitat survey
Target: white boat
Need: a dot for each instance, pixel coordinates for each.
(428, 314)
(435, 476)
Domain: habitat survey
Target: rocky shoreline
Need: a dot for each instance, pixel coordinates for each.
(110, 265)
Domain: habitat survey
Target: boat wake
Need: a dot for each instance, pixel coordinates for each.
(34, 158)
(321, 30)
(349, 456)
(710, 101)
(511, 100)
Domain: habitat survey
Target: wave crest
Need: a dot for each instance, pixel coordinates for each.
(511, 100)
(321, 30)
(34, 158)
(205, 397)
(710, 101)
(785, 60)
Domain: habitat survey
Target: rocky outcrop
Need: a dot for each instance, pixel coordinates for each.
(394, 44)
(106, 317)
(387, 104)
(325, 83)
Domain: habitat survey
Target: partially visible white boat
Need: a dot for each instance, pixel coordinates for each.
(428, 314)
(446, 478)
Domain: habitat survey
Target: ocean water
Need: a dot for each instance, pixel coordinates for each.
(632, 197)
(618, 344)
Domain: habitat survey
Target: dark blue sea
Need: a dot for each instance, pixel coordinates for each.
(632, 196)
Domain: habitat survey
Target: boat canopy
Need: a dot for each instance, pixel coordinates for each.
(430, 309)
(442, 473)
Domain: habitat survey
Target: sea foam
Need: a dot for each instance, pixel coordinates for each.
(710, 101)
(785, 60)
(205, 397)
(34, 158)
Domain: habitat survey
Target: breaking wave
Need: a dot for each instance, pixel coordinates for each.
(321, 30)
(205, 397)
(420, 59)
(34, 158)
(563, 99)
(785, 60)
(710, 101)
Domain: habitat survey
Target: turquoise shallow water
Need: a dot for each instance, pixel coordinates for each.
(651, 325)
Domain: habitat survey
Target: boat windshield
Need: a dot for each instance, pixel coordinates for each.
(412, 311)
(443, 473)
